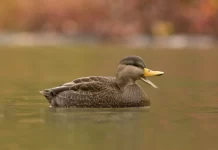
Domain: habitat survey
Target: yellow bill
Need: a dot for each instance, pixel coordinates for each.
(150, 73)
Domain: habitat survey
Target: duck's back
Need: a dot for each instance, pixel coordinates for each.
(95, 92)
(84, 92)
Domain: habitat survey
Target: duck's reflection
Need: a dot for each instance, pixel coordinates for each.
(100, 128)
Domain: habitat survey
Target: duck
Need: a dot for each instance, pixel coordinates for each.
(106, 92)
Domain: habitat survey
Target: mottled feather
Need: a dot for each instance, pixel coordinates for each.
(99, 91)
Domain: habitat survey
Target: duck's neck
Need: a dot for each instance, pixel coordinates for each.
(125, 76)
(124, 81)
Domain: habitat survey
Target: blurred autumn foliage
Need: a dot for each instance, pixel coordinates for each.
(110, 18)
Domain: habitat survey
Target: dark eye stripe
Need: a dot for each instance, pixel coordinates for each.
(133, 61)
(137, 65)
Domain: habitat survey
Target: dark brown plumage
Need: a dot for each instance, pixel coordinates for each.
(98, 91)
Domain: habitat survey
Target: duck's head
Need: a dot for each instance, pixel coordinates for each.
(133, 68)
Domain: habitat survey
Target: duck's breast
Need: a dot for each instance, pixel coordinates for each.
(134, 95)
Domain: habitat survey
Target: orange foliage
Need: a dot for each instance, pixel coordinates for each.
(109, 18)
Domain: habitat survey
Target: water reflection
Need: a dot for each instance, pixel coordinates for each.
(101, 128)
(70, 115)
(183, 113)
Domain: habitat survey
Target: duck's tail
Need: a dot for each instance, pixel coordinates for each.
(52, 92)
(49, 95)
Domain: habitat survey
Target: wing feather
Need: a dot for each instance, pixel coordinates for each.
(88, 94)
(88, 84)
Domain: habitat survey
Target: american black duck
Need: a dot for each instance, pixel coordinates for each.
(98, 91)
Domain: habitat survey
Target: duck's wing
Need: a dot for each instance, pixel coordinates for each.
(89, 79)
(88, 94)
(92, 83)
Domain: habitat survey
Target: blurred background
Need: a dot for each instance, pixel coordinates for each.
(171, 23)
(45, 43)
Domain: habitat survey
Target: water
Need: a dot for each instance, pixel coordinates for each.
(183, 114)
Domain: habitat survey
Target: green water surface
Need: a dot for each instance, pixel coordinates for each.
(183, 114)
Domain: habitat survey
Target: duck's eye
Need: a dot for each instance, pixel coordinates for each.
(138, 65)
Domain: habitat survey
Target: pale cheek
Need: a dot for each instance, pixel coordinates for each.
(137, 72)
